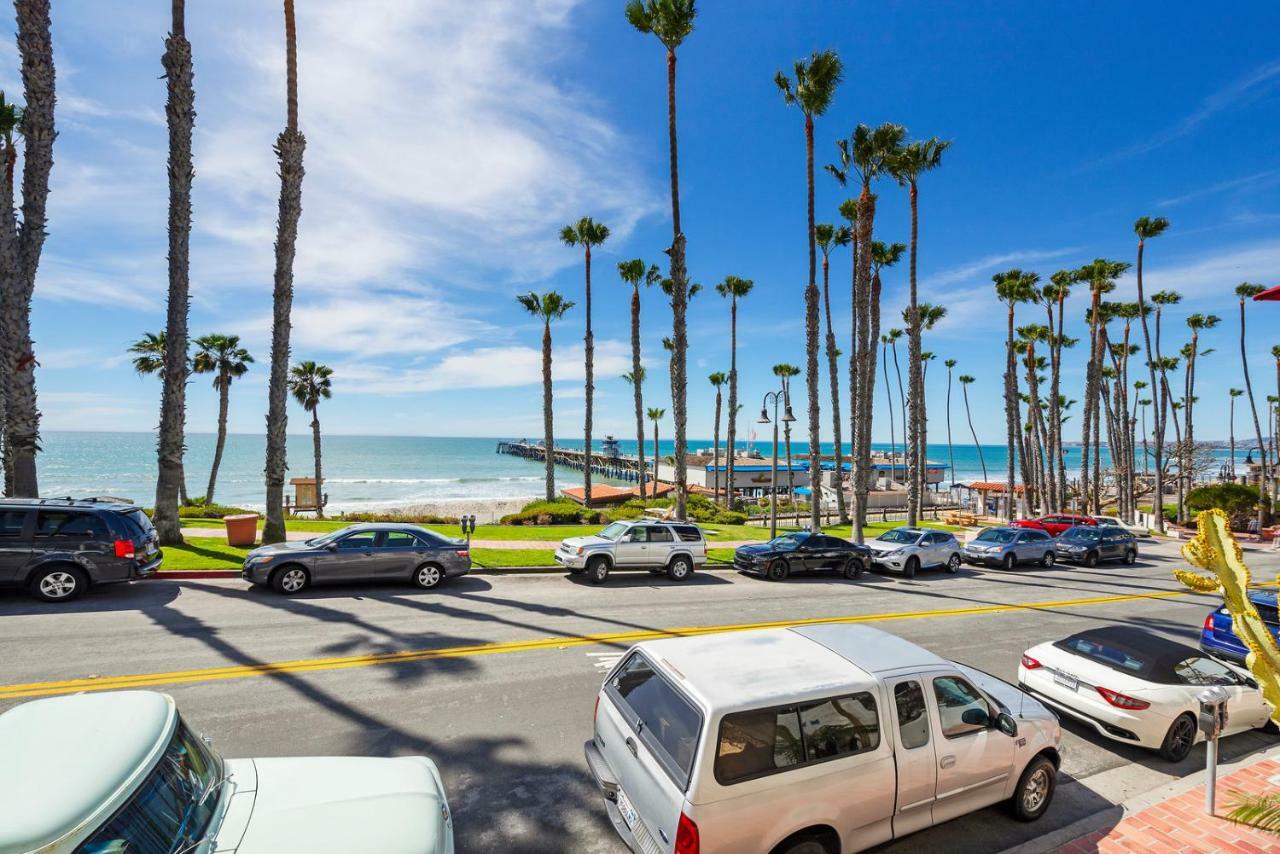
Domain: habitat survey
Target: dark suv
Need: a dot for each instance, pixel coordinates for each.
(56, 547)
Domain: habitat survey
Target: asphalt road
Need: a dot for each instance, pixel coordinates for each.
(494, 677)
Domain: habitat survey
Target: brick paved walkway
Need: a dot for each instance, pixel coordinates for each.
(1180, 824)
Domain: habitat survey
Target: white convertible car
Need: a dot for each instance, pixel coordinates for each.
(1138, 687)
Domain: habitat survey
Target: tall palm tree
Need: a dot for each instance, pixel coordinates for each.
(911, 162)
(1196, 322)
(655, 415)
(634, 273)
(718, 380)
(21, 242)
(1247, 291)
(849, 212)
(1012, 287)
(1163, 396)
(548, 307)
(10, 121)
(310, 383)
(290, 146)
(1054, 296)
(868, 153)
(951, 455)
(181, 114)
(672, 22)
(927, 316)
(828, 237)
(1233, 394)
(785, 372)
(965, 382)
(733, 289)
(222, 356)
(894, 335)
(148, 359)
(1100, 274)
(1145, 402)
(814, 87)
(1146, 228)
(885, 340)
(586, 233)
(1139, 386)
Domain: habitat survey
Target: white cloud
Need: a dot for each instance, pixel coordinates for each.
(968, 271)
(1256, 181)
(1207, 275)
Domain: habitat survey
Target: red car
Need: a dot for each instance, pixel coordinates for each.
(1055, 525)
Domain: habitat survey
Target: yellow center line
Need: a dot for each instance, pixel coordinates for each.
(146, 680)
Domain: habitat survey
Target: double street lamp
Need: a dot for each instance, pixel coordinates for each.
(782, 397)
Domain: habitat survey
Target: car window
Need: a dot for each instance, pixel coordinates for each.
(687, 533)
(360, 540)
(758, 742)
(840, 726)
(1103, 654)
(1035, 536)
(669, 724)
(400, 540)
(996, 535)
(62, 523)
(899, 535)
(1082, 534)
(955, 697)
(11, 522)
(1267, 611)
(138, 520)
(660, 535)
(1204, 671)
(787, 542)
(637, 535)
(913, 717)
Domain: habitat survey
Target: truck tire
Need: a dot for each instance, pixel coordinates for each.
(1035, 789)
(597, 570)
(680, 568)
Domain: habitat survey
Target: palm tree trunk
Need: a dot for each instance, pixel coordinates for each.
(893, 441)
(732, 431)
(1011, 417)
(715, 450)
(679, 302)
(548, 422)
(951, 454)
(860, 405)
(637, 391)
(315, 440)
(655, 458)
(910, 415)
(811, 347)
(224, 402)
(1257, 427)
(869, 377)
(855, 384)
(964, 388)
(833, 357)
(290, 147)
(791, 474)
(588, 349)
(1231, 420)
(8, 266)
(1157, 418)
(180, 111)
(902, 408)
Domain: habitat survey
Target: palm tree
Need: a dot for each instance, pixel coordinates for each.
(1054, 296)
(827, 237)
(1146, 228)
(310, 383)
(1196, 323)
(548, 307)
(965, 381)
(785, 372)
(1233, 394)
(888, 396)
(10, 121)
(1247, 291)
(655, 415)
(586, 233)
(718, 380)
(868, 153)
(21, 241)
(148, 359)
(927, 316)
(634, 273)
(672, 22)
(1139, 386)
(894, 335)
(1163, 396)
(1100, 274)
(912, 161)
(1013, 287)
(181, 114)
(733, 289)
(1146, 451)
(849, 212)
(290, 146)
(815, 86)
(951, 456)
(222, 356)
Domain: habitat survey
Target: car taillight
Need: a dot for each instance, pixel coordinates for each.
(124, 548)
(686, 836)
(1029, 662)
(1122, 701)
(463, 553)
(1208, 622)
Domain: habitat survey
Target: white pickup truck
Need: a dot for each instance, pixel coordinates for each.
(819, 739)
(674, 548)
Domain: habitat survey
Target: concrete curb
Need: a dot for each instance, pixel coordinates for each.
(179, 574)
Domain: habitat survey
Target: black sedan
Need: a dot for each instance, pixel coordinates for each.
(802, 552)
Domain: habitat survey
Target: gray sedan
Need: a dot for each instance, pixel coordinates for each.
(371, 552)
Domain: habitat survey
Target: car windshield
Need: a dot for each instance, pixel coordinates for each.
(1082, 533)
(172, 808)
(899, 535)
(996, 535)
(787, 542)
(613, 531)
(325, 539)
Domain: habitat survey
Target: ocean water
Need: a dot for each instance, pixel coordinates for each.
(371, 472)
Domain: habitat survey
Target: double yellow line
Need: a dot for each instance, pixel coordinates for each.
(175, 677)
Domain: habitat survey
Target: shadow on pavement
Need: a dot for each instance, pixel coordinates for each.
(129, 596)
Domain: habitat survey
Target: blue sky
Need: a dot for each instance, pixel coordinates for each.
(448, 143)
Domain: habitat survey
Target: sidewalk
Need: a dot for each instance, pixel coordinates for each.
(1175, 820)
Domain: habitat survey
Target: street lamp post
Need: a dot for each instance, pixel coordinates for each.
(777, 397)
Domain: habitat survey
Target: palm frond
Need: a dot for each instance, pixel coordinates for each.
(1260, 811)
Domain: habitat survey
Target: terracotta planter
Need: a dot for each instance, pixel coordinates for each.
(242, 530)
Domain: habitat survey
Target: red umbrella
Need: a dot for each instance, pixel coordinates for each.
(1272, 294)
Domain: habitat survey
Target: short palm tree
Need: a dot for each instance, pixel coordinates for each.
(586, 233)
(309, 383)
(733, 288)
(812, 91)
(635, 378)
(548, 307)
(951, 455)
(148, 358)
(635, 274)
(1146, 228)
(894, 336)
(965, 382)
(222, 356)
(655, 415)
(828, 237)
(1233, 394)
(785, 372)
(1246, 291)
(718, 380)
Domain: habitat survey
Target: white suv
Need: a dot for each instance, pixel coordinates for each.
(909, 550)
(674, 548)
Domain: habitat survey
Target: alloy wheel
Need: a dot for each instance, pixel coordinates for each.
(293, 580)
(428, 576)
(58, 585)
(1036, 790)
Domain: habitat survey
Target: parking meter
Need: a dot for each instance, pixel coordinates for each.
(468, 526)
(1213, 720)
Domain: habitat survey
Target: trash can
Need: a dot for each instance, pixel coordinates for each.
(242, 530)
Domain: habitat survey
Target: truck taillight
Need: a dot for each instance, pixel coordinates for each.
(1029, 662)
(686, 836)
(124, 548)
(1123, 701)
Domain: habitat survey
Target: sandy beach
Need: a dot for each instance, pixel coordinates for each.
(485, 510)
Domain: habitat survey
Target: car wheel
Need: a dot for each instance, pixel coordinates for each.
(1091, 559)
(1131, 557)
(1009, 562)
(953, 564)
(59, 583)
(911, 568)
(290, 580)
(806, 845)
(597, 570)
(1179, 740)
(680, 568)
(1049, 559)
(853, 568)
(428, 576)
(778, 571)
(1035, 789)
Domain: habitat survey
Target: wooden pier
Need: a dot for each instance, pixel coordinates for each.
(606, 463)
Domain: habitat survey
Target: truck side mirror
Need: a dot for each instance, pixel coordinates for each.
(1007, 725)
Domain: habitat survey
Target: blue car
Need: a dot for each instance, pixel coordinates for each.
(1219, 640)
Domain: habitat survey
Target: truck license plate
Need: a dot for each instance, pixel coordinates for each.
(628, 812)
(1066, 680)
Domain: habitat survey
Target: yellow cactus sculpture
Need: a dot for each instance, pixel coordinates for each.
(1215, 549)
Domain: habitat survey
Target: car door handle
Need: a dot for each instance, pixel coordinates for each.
(947, 762)
(631, 745)
(368, 554)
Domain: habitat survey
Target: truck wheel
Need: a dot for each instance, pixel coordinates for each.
(913, 565)
(778, 570)
(1035, 789)
(597, 570)
(58, 583)
(1179, 739)
(680, 568)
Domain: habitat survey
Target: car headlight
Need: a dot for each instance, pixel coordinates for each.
(262, 559)
(579, 550)
(894, 553)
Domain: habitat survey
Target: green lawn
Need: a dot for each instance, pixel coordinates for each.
(208, 553)
(512, 557)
